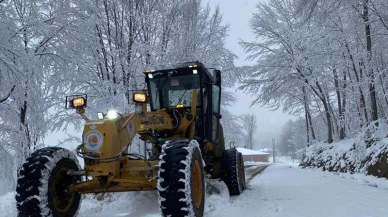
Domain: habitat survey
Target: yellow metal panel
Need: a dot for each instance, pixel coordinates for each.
(116, 185)
(135, 175)
(100, 139)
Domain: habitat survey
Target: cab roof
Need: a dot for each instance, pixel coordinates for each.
(184, 66)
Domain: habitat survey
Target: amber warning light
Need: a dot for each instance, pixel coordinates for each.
(76, 101)
(140, 97)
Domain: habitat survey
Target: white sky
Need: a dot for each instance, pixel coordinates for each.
(238, 14)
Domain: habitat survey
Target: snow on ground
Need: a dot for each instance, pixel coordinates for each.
(286, 191)
(252, 163)
(129, 204)
(287, 160)
(280, 191)
(8, 205)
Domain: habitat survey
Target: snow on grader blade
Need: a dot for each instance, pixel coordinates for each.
(183, 126)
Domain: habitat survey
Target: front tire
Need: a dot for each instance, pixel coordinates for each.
(42, 185)
(181, 182)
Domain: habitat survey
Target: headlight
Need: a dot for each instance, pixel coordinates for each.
(140, 97)
(111, 114)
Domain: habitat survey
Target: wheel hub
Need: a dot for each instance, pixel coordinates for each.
(62, 199)
(197, 184)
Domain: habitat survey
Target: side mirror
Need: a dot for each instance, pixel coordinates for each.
(217, 76)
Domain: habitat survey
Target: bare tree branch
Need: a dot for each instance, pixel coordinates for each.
(8, 95)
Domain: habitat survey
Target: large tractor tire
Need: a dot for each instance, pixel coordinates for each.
(241, 160)
(42, 185)
(233, 172)
(181, 182)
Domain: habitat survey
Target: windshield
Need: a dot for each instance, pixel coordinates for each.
(167, 92)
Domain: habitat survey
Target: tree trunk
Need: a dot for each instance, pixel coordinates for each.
(372, 89)
(337, 90)
(309, 124)
(327, 112)
(333, 116)
(306, 117)
(342, 116)
(321, 95)
(362, 107)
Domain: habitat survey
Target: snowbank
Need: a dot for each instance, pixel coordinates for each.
(367, 153)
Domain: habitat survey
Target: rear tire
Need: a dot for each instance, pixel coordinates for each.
(242, 170)
(42, 185)
(233, 173)
(181, 182)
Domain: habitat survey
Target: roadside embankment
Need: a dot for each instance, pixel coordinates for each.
(367, 153)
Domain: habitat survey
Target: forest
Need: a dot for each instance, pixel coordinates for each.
(323, 61)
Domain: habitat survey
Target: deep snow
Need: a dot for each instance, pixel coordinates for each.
(280, 191)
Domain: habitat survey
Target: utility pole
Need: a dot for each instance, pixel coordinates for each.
(273, 149)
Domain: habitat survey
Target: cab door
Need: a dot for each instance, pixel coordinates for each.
(216, 112)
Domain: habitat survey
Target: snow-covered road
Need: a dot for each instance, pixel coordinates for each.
(284, 191)
(279, 191)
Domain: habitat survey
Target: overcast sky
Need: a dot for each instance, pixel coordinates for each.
(237, 13)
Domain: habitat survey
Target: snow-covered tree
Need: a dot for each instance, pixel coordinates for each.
(320, 57)
(29, 68)
(232, 128)
(248, 123)
(291, 137)
(50, 49)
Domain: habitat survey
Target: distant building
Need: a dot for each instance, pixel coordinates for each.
(269, 151)
(255, 156)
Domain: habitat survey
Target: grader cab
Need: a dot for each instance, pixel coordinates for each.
(179, 114)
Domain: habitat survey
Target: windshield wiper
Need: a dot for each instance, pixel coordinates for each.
(160, 86)
(180, 98)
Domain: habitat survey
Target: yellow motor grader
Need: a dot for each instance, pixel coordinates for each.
(179, 115)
